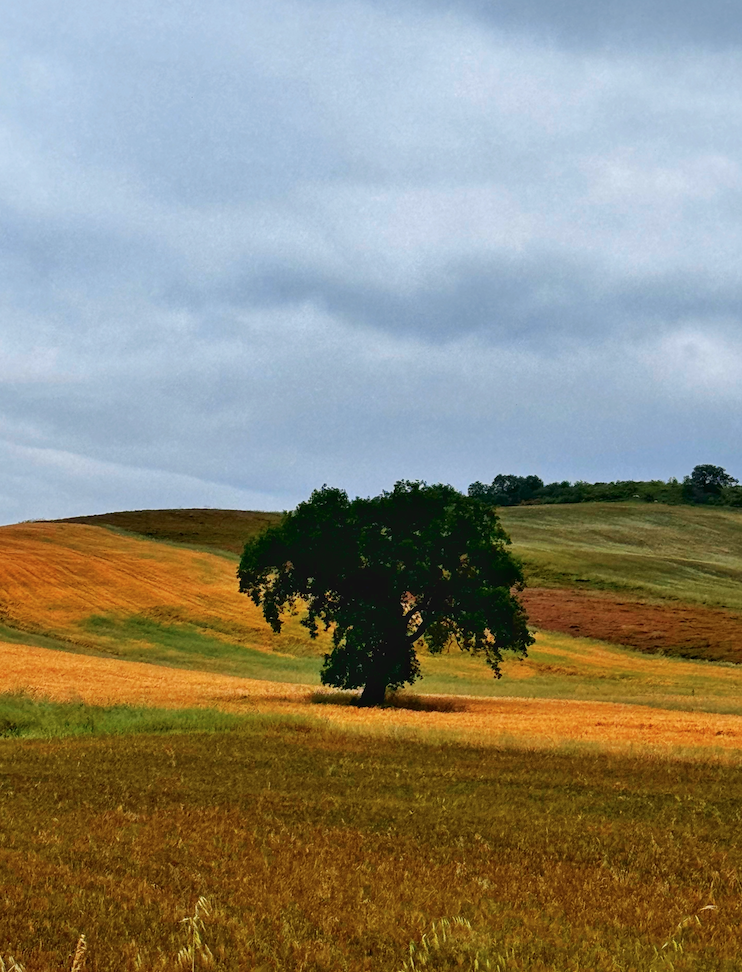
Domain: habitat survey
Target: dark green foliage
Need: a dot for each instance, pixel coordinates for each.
(507, 490)
(419, 562)
(519, 490)
(706, 484)
(710, 484)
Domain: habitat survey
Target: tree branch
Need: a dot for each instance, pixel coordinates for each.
(419, 609)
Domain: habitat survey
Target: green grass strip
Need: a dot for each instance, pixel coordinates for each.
(22, 716)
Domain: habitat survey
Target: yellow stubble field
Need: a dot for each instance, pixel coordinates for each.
(54, 576)
(501, 721)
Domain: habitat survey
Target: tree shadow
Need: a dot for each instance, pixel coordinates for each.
(394, 700)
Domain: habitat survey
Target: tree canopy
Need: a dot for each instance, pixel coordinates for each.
(507, 490)
(706, 484)
(418, 563)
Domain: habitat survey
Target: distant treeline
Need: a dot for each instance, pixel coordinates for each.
(707, 484)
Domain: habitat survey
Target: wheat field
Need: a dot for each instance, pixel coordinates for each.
(55, 575)
(81, 585)
(535, 722)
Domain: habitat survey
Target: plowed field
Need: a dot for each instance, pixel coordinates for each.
(685, 630)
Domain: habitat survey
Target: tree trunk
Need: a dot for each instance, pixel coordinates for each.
(374, 691)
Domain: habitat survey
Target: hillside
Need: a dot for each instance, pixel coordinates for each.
(685, 553)
(679, 553)
(223, 530)
(98, 591)
(653, 577)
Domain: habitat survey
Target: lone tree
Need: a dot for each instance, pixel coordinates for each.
(706, 482)
(417, 563)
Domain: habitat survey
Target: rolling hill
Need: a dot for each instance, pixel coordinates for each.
(99, 590)
(686, 553)
(682, 553)
(653, 577)
(224, 531)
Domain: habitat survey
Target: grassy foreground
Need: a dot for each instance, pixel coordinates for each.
(321, 850)
(22, 716)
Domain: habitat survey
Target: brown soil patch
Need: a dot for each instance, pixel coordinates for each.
(684, 630)
(227, 530)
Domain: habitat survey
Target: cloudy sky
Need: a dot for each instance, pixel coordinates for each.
(248, 248)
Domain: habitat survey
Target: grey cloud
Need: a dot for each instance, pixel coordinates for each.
(248, 250)
(537, 300)
(345, 407)
(634, 23)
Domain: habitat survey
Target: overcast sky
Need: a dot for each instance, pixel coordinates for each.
(249, 248)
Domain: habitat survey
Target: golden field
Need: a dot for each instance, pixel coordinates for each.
(151, 623)
(79, 584)
(55, 575)
(65, 676)
(95, 591)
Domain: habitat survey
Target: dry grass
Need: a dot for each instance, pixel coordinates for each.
(55, 575)
(65, 676)
(97, 591)
(329, 851)
(513, 721)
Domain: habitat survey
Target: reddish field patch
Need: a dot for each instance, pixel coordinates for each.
(685, 630)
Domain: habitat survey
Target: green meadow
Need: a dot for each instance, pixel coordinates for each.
(688, 553)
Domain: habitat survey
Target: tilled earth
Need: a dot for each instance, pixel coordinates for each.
(685, 630)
